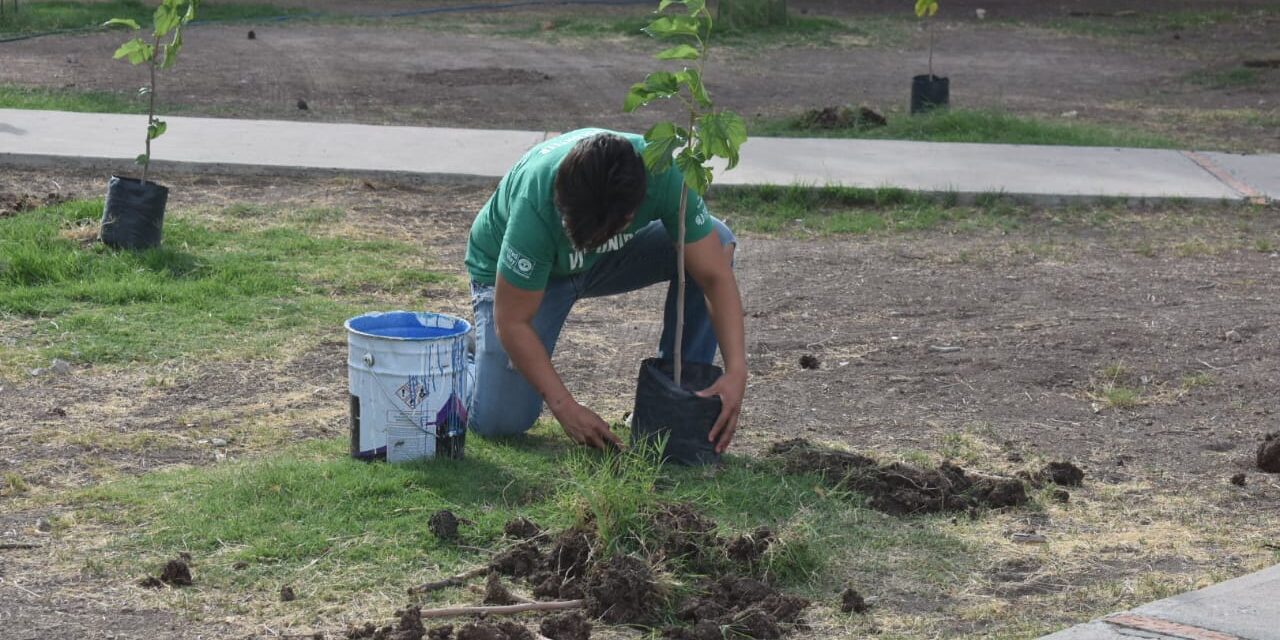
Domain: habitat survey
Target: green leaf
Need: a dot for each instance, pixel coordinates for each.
(661, 141)
(660, 84)
(926, 8)
(696, 6)
(721, 135)
(191, 11)
(679, 52)
(166, 18)
(662, 6)
(156, 129)
(697, 176)
(122, 22)
(692, 79)
(672, 26)
(142, 159)
(137, 50)
(171, 50)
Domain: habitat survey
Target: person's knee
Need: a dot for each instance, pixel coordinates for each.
(501, 419)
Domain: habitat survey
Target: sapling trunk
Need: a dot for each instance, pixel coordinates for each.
(930, 30)
(151, 108)
(678, 351)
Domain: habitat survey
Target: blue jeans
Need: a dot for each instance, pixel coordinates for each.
(504, 403)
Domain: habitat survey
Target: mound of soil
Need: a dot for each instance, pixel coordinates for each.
(1064, 474)
(408, 627)
(736, 606)
(522, 529)
(622, 591)
(176, 573)
(852, 602)
(11, 204)
(572, 552)
(496, 593)
(444, 525)
(681, 532)
(519, 561)
(899, 488)
(1269, 453)
(842, 118)
(747, 550)
(567, 626)
(504, 630)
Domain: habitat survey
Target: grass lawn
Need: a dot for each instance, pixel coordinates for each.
(964, 125)
(59, 15)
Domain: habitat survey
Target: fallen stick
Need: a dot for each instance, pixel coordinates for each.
(453, 581)
(554, 605)
(19, 545)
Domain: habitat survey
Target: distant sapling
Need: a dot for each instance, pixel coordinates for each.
(170, 18)
(710, 133)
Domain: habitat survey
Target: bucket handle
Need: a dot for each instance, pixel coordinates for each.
(368, 359)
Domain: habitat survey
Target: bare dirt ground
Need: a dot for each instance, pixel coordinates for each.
(1038, 323)
(461, 70)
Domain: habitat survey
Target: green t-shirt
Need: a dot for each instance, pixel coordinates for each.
(519, 233)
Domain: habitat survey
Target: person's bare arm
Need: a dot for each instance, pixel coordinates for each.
(513, 310)
(710, 265)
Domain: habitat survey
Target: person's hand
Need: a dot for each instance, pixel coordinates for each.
(586, 428)
(730, 387)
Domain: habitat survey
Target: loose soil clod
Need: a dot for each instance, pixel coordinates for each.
(1239, 480)
(287, 594)
(568, 626)
(747, 550)
(1269, 453)
(809, 361)
(622, 591)
(1064, 474)
(738, 607)
(681, 532)
(444, 525)
(505, 630)
(519, 561)
(11, 204)
(852, 602)
(522, 529)
(408, 627)
(572, 552)
(842, 118)
(899, 488)
(176, 573)
(497, 593)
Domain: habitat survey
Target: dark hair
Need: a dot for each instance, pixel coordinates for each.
(599, 184)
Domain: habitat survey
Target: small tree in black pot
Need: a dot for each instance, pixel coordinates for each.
(134, 213)
(667, 407)
(929, 91)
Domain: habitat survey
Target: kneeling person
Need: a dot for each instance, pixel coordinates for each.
(579, 217)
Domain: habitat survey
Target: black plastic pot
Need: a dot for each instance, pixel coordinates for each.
(134, 214)
(663, 409)
(929, 92)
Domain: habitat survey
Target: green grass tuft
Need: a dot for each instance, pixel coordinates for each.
(964, 125)
(206, 290)
(59, 15)
(1226, 78)
(830, 210)
(12, 97)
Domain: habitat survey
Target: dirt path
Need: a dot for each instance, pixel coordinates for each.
(396, 73)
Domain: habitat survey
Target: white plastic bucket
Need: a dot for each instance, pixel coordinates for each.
(409, 385)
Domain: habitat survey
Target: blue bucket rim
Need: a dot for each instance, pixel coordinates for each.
(460, 326)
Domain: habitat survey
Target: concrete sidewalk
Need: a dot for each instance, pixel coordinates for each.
(109, 142)
(1247, 608)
